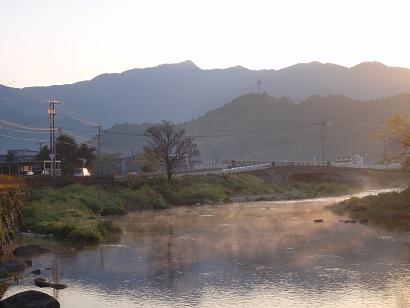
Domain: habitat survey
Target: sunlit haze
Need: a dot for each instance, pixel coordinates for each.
(53, 42)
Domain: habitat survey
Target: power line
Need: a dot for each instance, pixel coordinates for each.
(78, 136)
(9, 77)
(23, 131)
(227, 135)
(5, 122)
(22, 91)
(69, 143)
(77, 116)
(25, 139)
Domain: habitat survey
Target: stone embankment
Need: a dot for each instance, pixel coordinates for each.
(13, 197)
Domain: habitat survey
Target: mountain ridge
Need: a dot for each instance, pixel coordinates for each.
(183, 91)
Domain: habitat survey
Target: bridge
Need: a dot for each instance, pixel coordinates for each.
(289, 166)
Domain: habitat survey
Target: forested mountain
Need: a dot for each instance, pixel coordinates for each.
(183, 91)
(262, 127)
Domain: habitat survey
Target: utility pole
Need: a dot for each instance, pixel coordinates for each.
(40, 144)
(385, 152)
(258, 86)
(324, 137)
(98, 150)
(52, 116)
(190, 156)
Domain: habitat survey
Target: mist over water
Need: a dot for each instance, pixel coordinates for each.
(264, 254)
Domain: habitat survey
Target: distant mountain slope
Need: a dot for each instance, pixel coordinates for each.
(180, 92)
(260, 127)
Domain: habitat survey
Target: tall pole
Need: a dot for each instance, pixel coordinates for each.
(98, 150)
(40, 144)
(190, 156)
(258, 86)
(385, 151)
(52, 115)
(323, 135)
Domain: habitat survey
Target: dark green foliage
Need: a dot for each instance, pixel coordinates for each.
(10, 156)
(43, 154)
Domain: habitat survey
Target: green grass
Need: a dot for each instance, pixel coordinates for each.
(80, 213)
(390, 210)
(83, 213)
(189, 190)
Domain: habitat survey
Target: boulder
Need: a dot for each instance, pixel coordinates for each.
(30, 299)
(42, 283)
(364, 221)
(14, 266)
(3, 288)
(348, 221)
(29, 251)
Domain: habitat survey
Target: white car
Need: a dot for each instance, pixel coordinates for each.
(81, 172)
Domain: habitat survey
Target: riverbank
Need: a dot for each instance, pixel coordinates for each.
(12, 201)
(390, 210)
(83, 213)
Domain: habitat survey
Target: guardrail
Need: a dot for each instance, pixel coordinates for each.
(302, 163)
(247, 168)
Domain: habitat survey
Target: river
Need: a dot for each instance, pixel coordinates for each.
(261, 254)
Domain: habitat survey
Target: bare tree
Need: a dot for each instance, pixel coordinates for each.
(169, 146)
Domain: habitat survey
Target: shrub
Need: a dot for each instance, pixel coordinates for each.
(85, 234)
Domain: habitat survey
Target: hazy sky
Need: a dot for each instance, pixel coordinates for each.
(54, 41)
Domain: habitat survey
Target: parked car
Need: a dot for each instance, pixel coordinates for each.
(81, 172)
(30, 173)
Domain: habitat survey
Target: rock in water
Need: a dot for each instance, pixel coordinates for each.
(30, 299)
(3, 288)
(29, 251)
(9, 268)
(364, 221)
(15, 265)
(42, 283)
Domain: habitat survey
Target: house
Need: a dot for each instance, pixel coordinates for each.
(22, 161)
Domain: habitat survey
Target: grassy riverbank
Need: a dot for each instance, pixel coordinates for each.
(390, 210)
(82, 213)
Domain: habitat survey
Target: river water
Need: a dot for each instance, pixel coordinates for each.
(262, 254)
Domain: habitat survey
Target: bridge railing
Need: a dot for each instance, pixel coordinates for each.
(247, 168)
(304, 163)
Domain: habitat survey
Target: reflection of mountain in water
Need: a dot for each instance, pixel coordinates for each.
(238, 249)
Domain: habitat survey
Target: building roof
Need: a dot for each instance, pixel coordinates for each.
(22, 155)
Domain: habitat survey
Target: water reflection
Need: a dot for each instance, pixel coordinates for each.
(266, 254)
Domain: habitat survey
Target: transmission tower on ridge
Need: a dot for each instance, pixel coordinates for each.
(258, 86)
